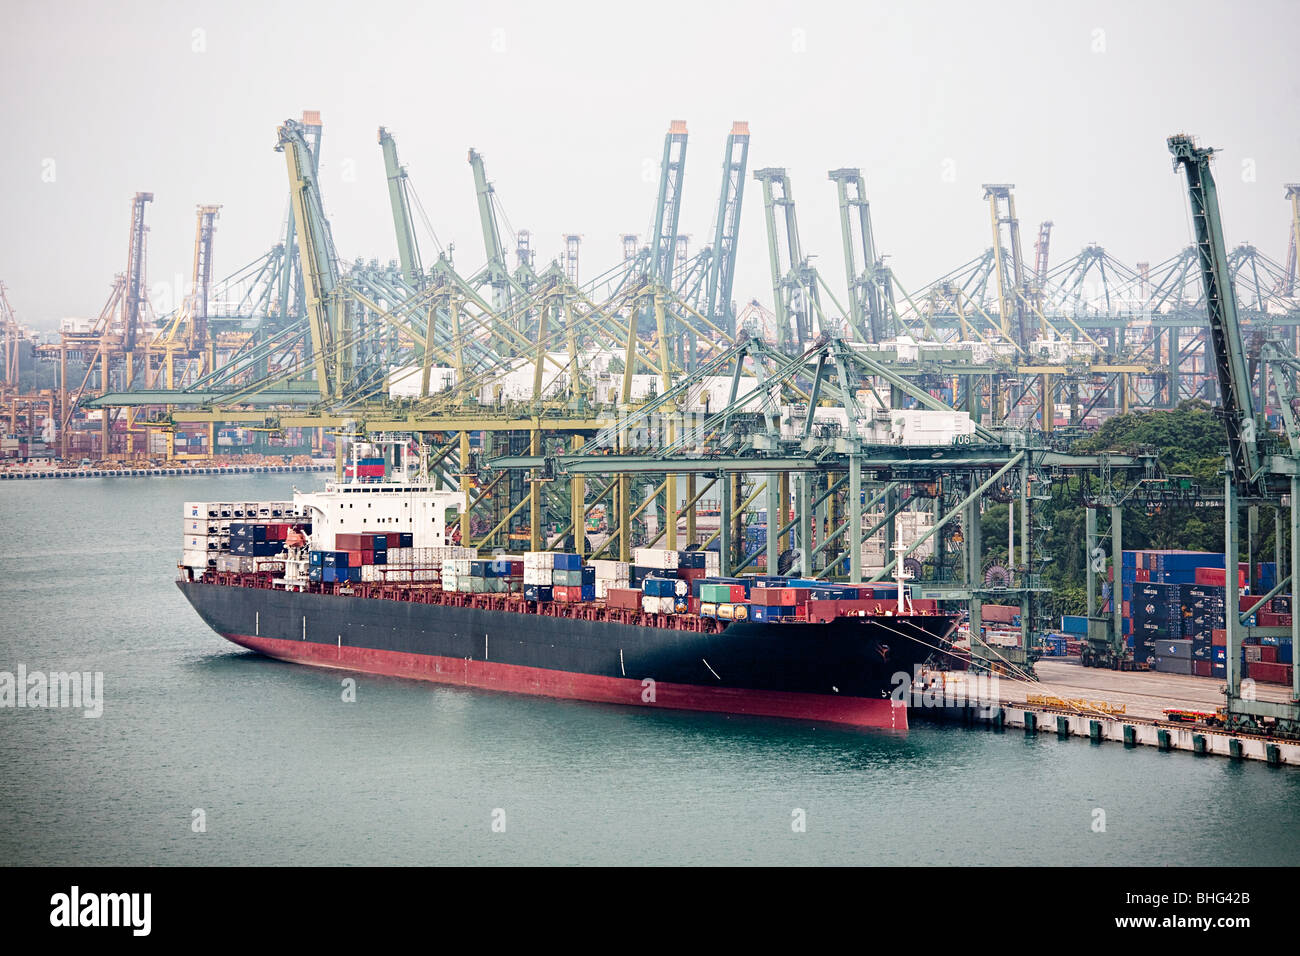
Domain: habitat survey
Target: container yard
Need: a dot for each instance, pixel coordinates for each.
(778, 435)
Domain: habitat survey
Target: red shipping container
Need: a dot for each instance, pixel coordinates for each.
(1143, 575)
(357, 558)
(367, 557)
(629, 599)
(348, 542)
(1001, 613)
(693, 604)
(1219, 637)
(393, 539)
(1268, 653)
(1202, 669)
(1217, 577)
(561, 593)
(738, 594)
(691, 574)
(1269, 673)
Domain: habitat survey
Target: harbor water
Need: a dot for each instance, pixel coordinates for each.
(206, 754)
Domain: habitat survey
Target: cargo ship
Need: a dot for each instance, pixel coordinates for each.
(363, 577)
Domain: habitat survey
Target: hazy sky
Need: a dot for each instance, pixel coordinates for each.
(568, 103)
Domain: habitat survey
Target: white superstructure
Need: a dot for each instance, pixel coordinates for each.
(406, 501)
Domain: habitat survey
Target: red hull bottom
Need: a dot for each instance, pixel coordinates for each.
(537, 681)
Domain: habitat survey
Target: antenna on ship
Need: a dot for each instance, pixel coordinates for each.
(901, 574)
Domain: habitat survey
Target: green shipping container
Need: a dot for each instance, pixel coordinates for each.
(715, 593)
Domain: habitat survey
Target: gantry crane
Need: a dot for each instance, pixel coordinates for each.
(794, 280)
(722, 267)
(12, 334)
(1253, 476)
(135, 271)
(1293, 243)
(867, 291)
(319, 270)
(495, 273)
(668, 208)
(1012, 304)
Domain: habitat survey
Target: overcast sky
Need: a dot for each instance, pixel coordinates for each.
(569, 102)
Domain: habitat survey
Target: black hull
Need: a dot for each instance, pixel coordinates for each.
(848, 660)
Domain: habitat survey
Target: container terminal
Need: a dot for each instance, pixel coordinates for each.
(845, 438)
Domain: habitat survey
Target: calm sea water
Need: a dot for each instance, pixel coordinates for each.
(286, 772)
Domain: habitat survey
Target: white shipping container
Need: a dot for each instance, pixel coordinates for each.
(202, 509)
(612, 570)
(203, 526)
(604, 584)
(650, 605)
(542, 576)
(201, 542)
(658, 558)
(450, 580)
(197, 559)
(1002, 638)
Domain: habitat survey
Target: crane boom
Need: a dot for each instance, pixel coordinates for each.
(203, 232)
(408, 250)
(319, 271)
(290, 291)
(668, 209)
(722, 267)
(1221, 308)
(794, 280)
(498, 274)
(134, 271)
(865, 309)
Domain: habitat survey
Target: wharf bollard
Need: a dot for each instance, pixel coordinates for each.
(1031, 722)
(1094, 731)
(1235, 749)
(1062, 726)
(1198, 745)
(1274, 754)
(1130, 735)
(1163, 740)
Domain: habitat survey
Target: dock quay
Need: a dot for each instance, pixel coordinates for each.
(17, 474)
(1113, 706)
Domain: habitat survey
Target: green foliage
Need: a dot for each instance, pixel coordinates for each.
(1188, 440)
